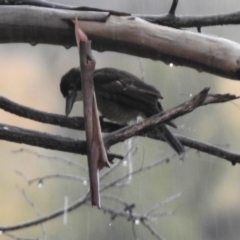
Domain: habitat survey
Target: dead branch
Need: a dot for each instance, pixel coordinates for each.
(78, 122)
(128, 35)
(170, 19)
(130, 215)
(150, 123)
(35, 138)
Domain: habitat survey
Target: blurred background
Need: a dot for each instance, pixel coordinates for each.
(209, 205)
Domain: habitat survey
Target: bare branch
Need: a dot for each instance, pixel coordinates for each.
(42, 3)
(84, 199)
(34, 138)
(180, 21)
(30, 202)
(53, 215)
(39, 139)
(50, 176)
(210, 149)
(173, 7)
(51, 26)
(78, 122)
(220, 98)
(10, 235)
(51, 158)
(150, 123)
(161, 204)
(33, 114)
(152, 231)
(172, 20)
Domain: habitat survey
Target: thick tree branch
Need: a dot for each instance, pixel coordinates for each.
(172, 20)
(34, 138)
(121, 34)
(50, 118)
(44, 140)
(78, 122)
(36, 115)
(54, 142)
(39, 139)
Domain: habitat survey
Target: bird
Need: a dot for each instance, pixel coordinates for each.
(121, 98)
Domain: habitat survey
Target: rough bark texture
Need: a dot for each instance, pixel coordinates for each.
(128, 35)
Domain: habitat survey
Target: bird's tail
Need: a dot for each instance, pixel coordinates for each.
(171, 140)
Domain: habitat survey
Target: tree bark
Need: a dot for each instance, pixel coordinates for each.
(128, 35)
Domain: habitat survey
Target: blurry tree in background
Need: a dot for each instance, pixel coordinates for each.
(150, 194)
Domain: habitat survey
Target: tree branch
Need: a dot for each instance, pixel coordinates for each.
(173, 7)
(171, 20)
(39, 139)
(130, 215)
(151, 122)
(43, 117)
(78, 122)
(180, 21)
(54, 142)
(121, 34)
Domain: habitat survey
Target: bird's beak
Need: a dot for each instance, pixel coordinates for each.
(70, 99)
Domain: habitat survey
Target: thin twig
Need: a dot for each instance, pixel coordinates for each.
(173, 7)
(152, 231)
(84, 199)
(160, 204)
(141, 169)
(51, 158)
(116, 199)
(50, 176)
(45, 218)
(13, 236)
(30, 202)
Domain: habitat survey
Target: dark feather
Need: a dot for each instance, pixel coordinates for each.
(125, 88)
(122, 97)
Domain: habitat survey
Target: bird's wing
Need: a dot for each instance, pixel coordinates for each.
(125, 88)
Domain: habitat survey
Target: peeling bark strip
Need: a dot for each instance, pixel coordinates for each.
(97, 157)
(128, 35)
(87, 64)
(140, 38)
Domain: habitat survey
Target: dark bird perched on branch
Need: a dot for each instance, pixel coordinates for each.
(121, 97)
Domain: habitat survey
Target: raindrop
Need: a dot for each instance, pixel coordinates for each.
(190, 94)
(33, 44)
(40, 184)
(137, 221)
(67, 46)
(5, 128)
(125, 163)
(1, 232)
(170, 64)
(85, 182)
(110, 224)
(65, 210)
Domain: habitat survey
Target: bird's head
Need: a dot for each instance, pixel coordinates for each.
(71, 87)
